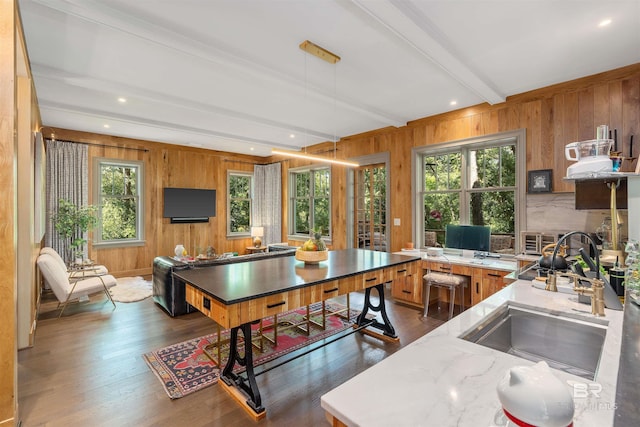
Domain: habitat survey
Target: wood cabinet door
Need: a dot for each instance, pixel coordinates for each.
(408, 288)
(476, 286)
(492, 282)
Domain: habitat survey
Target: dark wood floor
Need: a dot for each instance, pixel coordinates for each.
(86, 369)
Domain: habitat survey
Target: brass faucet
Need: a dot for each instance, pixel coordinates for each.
(595, 292)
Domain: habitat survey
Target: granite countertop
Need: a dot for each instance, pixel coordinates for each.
(442, 380)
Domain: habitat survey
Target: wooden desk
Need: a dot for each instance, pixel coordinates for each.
(237, 295)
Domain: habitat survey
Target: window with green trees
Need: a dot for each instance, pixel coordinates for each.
(239, 192)
(310, 202)
(120, 202)
(473, 184)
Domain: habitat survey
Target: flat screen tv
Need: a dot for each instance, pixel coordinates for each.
(189, 204)
(472, 237)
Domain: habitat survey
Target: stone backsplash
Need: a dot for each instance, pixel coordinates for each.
(555, 213)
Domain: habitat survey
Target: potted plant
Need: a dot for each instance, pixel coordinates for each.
(72, 222)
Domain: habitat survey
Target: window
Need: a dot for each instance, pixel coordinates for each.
(239, 191)
(310, 203)
(473, 183)
(119, 189)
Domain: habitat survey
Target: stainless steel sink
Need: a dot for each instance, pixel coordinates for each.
(566, 343)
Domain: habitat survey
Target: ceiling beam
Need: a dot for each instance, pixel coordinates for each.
(410, 25)
(102, 14)
(62, 77)
(102, 115)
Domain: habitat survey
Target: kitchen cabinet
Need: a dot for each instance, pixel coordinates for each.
(483, 282)
(443, 294)
(407, 284)
(486, 282)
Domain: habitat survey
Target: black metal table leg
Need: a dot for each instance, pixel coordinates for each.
(248, 386)
(386, 327)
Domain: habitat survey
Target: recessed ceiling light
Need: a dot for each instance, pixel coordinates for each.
(604, 23)
(106, 126)
(453, 102)
(122, 100)
(291, 135)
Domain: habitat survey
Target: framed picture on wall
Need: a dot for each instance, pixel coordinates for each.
(540, 181)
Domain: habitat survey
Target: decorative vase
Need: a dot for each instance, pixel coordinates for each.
(179, 251)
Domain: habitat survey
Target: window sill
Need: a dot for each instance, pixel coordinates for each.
(304, 238)
(122, 244)
(238, 236)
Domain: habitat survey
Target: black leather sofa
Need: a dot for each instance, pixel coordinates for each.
(169, 291)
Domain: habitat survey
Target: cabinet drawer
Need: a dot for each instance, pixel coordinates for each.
(321, 292)
(439, 266)
(225, 316)
(260, 308)
(372, 278)
(462, 270)
(402, 270)
(349, 284)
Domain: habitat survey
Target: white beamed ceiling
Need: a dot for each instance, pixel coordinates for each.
(229, 75)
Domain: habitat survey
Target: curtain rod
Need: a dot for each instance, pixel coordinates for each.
(247, 163)
(100, 145)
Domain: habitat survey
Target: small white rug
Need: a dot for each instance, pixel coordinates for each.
(130, 289)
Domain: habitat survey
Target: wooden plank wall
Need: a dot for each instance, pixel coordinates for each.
(8, 347)
(166, 165)
(552, 116)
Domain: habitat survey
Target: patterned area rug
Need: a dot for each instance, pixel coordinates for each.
(130, 289)
(184, 368)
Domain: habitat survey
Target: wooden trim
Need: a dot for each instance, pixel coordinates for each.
(8, 111)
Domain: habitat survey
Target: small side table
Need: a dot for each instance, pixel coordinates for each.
(253, 249)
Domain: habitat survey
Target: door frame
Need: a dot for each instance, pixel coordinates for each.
(371, 159)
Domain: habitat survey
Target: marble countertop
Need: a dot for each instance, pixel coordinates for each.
(506, 264)
(442, 380)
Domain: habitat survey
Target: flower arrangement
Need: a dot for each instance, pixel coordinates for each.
(434, 220)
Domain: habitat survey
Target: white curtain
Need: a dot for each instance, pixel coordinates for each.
(267, 201)
(67, 178)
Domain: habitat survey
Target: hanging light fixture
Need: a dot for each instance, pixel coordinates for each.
(301, 155)
(331, 58)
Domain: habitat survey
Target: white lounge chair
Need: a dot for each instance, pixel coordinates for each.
(99, 269)
(68, 286)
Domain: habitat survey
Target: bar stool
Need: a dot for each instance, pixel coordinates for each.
(444, 280)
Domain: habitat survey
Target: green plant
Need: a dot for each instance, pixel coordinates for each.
(582, 263)
(72, 222)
